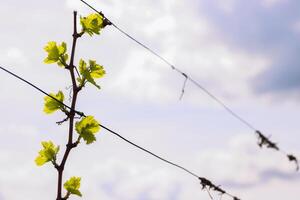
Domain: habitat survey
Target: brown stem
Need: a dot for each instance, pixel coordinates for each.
(70, 145)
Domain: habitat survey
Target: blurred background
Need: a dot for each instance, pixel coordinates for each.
(244, 52)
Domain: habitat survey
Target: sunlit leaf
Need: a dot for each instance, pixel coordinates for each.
(62, 48)
(87, 128)
(52, 51)
(73, 185)
(82, 68)
(51, 105)
(92, 24)
(56, 53)
(90, 73)
(97, 71)
(48, 153)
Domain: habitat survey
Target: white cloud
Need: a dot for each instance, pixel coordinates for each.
(139, 78)
(14, 56)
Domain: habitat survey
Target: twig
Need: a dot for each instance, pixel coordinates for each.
(184, 84)
(62, 121)
(209, 194)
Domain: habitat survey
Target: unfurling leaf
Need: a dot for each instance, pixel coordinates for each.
(90, 73)
(56, 53)
(48, 153)
(97, 71)
(92, 24)
(51, 105)
(73, 185)
(87, 128)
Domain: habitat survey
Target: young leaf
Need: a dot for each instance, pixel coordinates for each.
(73, 185)
(48, 153)
(52, 51)
(90, 73)
(97, 71)
(51, 105)
(62, 48)
(56, 53)
(92, 24)
(87, 128)
(83, 71)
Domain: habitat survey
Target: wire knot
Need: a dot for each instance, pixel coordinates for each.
(293, 158)
(265, 141)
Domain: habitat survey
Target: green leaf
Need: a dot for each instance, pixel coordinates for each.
(83, 71)
(73, 185)
(51, 105)
(56, 53)
(90, 79)
(63, 60)
(92, 24)
(87, 128)
(82, 67)
(90, 73)
(62, 48)
(97, 71)
(52, 51)
(65, 57)
(48, 153)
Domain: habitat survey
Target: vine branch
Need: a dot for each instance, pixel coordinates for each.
(70, 145)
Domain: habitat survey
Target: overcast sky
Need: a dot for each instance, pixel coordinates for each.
(244, 52)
